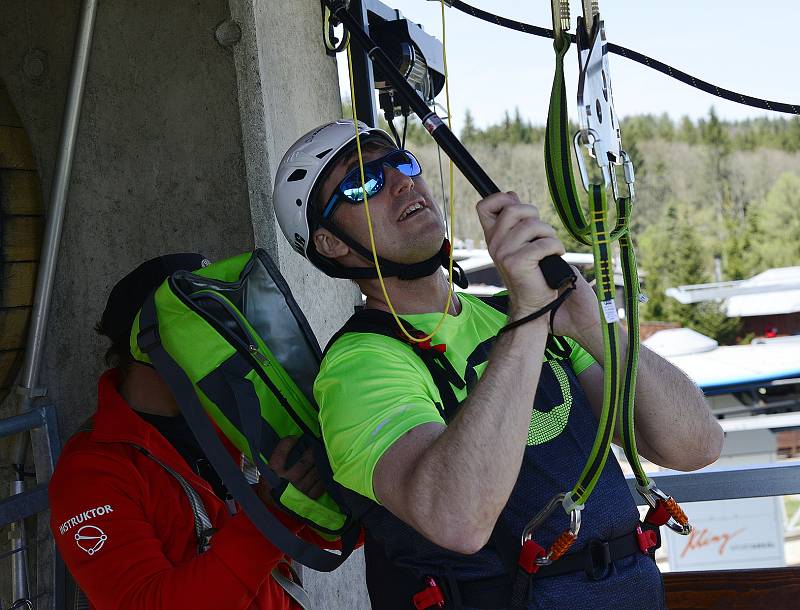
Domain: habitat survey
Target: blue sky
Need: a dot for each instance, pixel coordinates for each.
(749, 47)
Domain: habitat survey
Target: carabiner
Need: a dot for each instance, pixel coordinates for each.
(630, 178)
(566, 538)
(590, 139)
(678, 521)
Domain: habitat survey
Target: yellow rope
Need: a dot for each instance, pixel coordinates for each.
(369, 219)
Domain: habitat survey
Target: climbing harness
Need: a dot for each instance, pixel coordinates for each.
(641, 58)
(523, 566)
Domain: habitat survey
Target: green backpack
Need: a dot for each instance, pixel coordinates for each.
(234, 347)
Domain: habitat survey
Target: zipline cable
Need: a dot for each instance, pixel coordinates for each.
(655, 64)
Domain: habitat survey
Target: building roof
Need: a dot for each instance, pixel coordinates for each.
(775, 291)
(679, 342)
(729, 368)
(783, 295)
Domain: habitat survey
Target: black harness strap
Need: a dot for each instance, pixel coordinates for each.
(382, 323)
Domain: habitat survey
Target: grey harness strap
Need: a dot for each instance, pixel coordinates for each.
(202, 524)
(293, 586)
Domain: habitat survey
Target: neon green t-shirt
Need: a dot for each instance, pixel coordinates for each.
(372, 389)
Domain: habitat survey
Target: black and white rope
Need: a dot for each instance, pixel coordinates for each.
(655, 64)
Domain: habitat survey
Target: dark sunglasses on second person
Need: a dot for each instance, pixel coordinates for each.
(350, 189)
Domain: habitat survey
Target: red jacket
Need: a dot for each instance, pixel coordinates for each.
(126, 530)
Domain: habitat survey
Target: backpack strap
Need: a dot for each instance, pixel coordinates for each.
(202, 523)
(182, 389)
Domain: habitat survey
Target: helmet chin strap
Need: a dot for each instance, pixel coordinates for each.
(403, 271)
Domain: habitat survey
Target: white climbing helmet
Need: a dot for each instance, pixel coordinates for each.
(299, 173)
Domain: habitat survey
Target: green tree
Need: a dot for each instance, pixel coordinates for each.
(469, 132)
(672, 255)
(687, 132)
(777, 222)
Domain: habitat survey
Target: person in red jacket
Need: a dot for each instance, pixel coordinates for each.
(140, 518)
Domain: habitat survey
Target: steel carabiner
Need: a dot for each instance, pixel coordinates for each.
(565, 540)
(678, 521)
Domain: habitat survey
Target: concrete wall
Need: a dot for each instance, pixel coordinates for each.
(179, 141)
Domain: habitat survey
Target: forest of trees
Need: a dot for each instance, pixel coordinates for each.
(705, 189)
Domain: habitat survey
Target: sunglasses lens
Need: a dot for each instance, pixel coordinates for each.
(404, 162)
(353, 190)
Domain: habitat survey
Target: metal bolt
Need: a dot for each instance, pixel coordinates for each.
(228, 33)
(34, 64)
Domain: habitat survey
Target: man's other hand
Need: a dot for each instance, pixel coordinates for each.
(303, 474)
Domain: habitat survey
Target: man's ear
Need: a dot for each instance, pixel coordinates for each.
(328, 245)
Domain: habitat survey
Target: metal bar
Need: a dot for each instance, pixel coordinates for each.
(22, 505)
(59, 597)
(23, 422)
(727, 483)
(52, 238)
(51, 429)
(363, 76)
(58, 197)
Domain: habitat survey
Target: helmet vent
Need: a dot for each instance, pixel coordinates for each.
(296, 175)
(324, 153)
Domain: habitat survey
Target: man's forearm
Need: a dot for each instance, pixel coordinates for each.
(674, 426)
(465, 477)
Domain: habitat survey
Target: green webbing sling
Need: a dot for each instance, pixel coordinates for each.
(618, 388)
(594, 232)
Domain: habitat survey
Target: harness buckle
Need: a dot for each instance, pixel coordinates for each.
(430, 597)
(565, 540)
(148, 338)
(598, 558)
(647, 539)
(660, 504)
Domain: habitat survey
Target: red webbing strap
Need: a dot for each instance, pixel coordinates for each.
(430, 597)
(528, 555)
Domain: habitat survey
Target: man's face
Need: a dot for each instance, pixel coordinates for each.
(402, 234)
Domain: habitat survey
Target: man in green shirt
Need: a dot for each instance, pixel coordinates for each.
(440, 482)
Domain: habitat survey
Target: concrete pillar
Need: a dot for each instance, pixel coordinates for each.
(188, 109)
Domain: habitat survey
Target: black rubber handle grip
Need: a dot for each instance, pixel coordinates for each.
(556, 271)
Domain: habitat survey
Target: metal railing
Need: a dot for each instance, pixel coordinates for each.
(19, 506)
(774, 479)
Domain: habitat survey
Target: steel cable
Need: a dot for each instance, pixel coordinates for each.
(655, 64)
